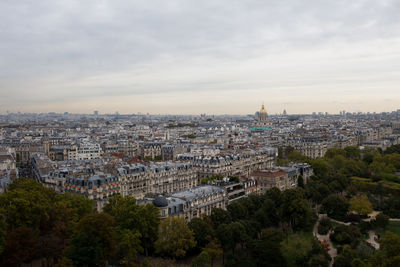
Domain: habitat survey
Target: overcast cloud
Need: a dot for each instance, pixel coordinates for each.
(199, 56)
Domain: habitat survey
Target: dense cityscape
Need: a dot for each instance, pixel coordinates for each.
(219, 181)
(187, 133)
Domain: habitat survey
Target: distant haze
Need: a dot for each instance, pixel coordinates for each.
(191, 57)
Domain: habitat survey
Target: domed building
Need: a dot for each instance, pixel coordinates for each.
(160, 202)
(262, 117)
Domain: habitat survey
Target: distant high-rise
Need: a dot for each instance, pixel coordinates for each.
(284, 112)
(96, 113)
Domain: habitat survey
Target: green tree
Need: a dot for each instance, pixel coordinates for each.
(128, 215)
(295, 209)
(321, 168)
(268, 214)
(296, 249)
(336, 207)
(343, 234)
(345, 257)
(94, 240)
(175, 238)
(27, 203)
(128, 246)
(85, 250)
(237, 211)
(391, 206)
(324, 226)
(389, 253)
(202, 231)
(232, 234)
(267, 250)
(360, 205)
(333, 152)
(381, 221)
(353, 152)
(202, 260)
(150, 222)
(220, 216)
(213, 248)
(300, 181)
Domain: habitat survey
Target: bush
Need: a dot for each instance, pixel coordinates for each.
(351, 217)
(343, 234)
(203, 260)
(324, 226)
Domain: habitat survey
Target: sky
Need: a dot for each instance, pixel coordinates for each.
(192, 57)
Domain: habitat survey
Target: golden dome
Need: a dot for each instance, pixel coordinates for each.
(263, 111)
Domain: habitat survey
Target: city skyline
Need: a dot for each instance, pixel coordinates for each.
(181, 57)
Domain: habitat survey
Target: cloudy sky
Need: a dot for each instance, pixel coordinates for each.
(191, 57)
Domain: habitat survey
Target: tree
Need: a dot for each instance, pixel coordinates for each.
(220, 216)
(202, 231)
(73, 206)
(333, 152)
(128, 246)
(295, 209)
(389, 253)
(267, 250)
(85, 250)
(300, 181)
(175, 238)
(335, 206)
(379, 167)
(353, 152)
(268, 214)
(94, 240)
(381, 221)
(3, 231)
(391, 245)
(148, 228)
(213, 248)
(128, 215)
(232, 234)
(296, 248)
(237, 211)
(345, 257)
(21, 246)
(324, 226)
(202, 260)
(392, 159)
(343, 234)
(321, 168)
(27, 203)
(124, 210)
(317, 191)
(391, 206)
(361, 205)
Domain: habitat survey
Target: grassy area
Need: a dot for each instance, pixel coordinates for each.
(308, 234)
(393, 227)
(296, 246)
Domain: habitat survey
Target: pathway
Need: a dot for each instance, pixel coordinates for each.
(332, 250)
(372, 239)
